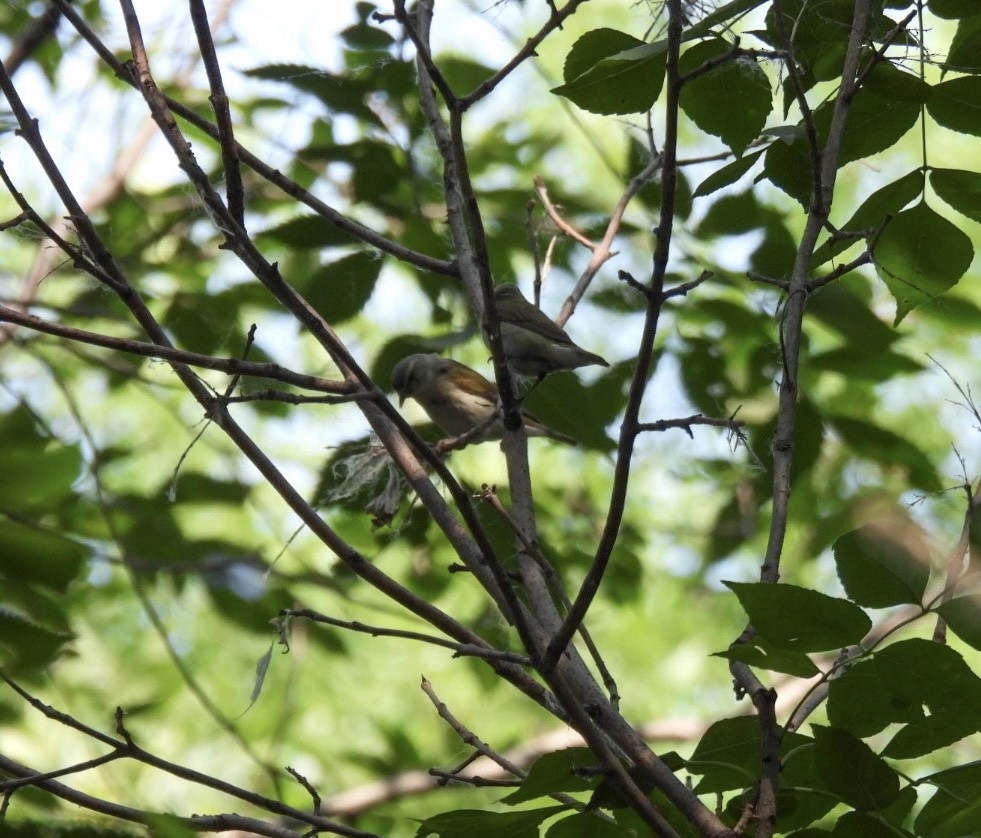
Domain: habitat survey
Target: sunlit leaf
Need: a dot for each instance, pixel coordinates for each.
(731, 101)
(624, 79)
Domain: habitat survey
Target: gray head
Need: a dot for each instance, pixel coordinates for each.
(414, 372)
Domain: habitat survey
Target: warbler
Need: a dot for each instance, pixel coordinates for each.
(458, 398)
(534, 346)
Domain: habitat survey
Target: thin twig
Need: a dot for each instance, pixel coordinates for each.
(126, 748)
(483, 749)
(458, 649)
(489, 494)
(342, 222)
(655, 301)
(555, 21)
(233, 366)
(683, 289)
(842, 270)
(234, 191)
(685, 424)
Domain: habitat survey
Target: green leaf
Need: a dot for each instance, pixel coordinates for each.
(587, 825)
(732, 215)
(920, 255)
(798, 807)
(930, 733)
(195, 487)
(727, 174)
(727, 756)
(956, 104)
(732, 10)
(865, 699)
(787, 165)
(762, 655)
(306, 231)
(849, 313)
(953, 9)
(955, 810)
(963, 615)
(464, 73)
(873, 213)
(960, 189)
(339, 290)
(261, 670)
(881, 113)
(888, 448)
(857, 363)
(26, 644)
(29, 555)
(597, 405)
(554, 772)
(610, 72)
(38, 470)
(731, 101)
(467, 823)
(814, 24)
(878, 569)
(850, 769)
(340, 94)
(925, 686)
(964, 55)
(800, 619)
(364, 36)
(592, 47)
(854, 824)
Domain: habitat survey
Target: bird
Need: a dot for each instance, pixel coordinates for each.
(534, 346)
(457, 398)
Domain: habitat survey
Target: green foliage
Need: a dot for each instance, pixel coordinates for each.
(799, 619)
(878, 572)
(919, 256)
(731, 100)
(611, 72)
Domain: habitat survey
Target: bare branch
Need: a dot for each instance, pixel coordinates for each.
(234, 191)
(234, 366)
(555, 21)
(685, 424)
(339, 220)
(459, 649)
(126, 748)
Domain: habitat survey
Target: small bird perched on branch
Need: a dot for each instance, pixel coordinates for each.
(534, 346)
(457, 398)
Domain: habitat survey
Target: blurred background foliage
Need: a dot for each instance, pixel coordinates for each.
(141, 560)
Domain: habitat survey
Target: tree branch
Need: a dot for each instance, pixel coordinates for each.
(233, 366)
(234, 191)
(353, 228)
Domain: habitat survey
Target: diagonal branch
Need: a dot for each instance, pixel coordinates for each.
(655, 302)
(289, 187)
(555, 21)
(233, 366)
(125, 748)
(234, 191)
